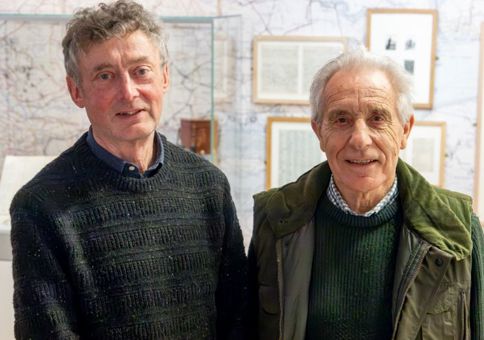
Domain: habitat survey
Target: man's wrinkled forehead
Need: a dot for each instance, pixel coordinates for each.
(357, 94)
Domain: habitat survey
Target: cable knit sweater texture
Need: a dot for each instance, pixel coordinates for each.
(97, 255)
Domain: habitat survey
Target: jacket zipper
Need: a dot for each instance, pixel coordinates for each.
(463, 307)
(280, 280)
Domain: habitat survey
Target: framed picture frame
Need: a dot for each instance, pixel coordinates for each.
(409, 37)
(425, 150)
(479, 158)
(284, 66)
(292, 148)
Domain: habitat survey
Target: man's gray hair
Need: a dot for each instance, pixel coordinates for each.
(93, 25)
(356, 59)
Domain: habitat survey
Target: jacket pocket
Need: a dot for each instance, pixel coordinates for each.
(268, 299)
(440, 323)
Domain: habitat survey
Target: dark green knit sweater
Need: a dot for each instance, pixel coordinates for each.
(352, 275)
(100, 256)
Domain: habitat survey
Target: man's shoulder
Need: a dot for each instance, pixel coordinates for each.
(307, 188)
(184, 160)
(261, 198)
(294, 203)
(61, 171)
(453, 196)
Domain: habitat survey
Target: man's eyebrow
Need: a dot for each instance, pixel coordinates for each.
(336, 112)
(139, 60)
(104, 66)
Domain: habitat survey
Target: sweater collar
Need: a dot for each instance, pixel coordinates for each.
(122, 166)
(441, 217)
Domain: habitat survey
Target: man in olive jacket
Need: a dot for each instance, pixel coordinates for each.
(362, 246)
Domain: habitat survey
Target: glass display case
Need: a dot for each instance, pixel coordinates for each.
(37, 116)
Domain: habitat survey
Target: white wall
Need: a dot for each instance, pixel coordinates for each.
(6, 297)
(455, 96)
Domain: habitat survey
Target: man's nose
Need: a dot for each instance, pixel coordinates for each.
(360, 135)
(128, 88)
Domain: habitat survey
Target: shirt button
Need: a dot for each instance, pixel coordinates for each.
(131, 168)
(439, 262)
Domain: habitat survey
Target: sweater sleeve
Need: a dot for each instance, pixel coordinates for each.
(43, 297)
(477, 289)
(231, 292)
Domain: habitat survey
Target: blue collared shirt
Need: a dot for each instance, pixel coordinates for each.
(335, 197)
(120, 165)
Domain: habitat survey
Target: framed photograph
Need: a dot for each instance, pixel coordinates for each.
(425, 150)
(479, 165)
(409, 37)
(284, 66)
(292, 148)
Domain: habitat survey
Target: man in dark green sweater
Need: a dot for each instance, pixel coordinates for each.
(362, 246)
(125, 235)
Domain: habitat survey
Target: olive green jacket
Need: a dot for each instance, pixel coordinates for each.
(438, 290)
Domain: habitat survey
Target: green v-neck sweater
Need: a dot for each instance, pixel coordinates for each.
(98, 255)
(352, 273)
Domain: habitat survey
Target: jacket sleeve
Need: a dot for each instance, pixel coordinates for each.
(477, 288)
(43, 297)
(231, 296)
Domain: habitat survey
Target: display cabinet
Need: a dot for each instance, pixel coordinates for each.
(37, 116)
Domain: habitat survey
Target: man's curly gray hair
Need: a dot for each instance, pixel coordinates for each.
(96, 24)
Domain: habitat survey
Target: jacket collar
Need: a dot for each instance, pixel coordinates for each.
(441, 217)
(294, 204)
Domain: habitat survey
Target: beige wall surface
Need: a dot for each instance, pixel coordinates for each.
(6, 296)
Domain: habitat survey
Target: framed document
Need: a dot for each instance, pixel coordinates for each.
(292, 148)
(479, 165)
(409, 37)
(425, 150)
(284, 66)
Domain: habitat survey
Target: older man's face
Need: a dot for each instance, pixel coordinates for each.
(361, 132)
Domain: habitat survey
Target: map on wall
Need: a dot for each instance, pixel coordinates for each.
(37, 116)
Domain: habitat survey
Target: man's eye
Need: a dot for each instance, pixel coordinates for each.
(341, 120)
(142, 71)
(104, 76)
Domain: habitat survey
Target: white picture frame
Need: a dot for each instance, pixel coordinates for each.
(479, 153)
(292, 148)
(425, 150)
(409, 37)
(284, 66)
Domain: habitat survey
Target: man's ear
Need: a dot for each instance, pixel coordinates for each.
(166, 77)
(407, 128)
(75, 92)
(317, 130)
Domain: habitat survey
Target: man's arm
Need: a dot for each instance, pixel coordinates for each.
(231, 295)
(43, 298)
(477, 289)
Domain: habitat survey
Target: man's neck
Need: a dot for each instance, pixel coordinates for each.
(364, 205)
(141, 153)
